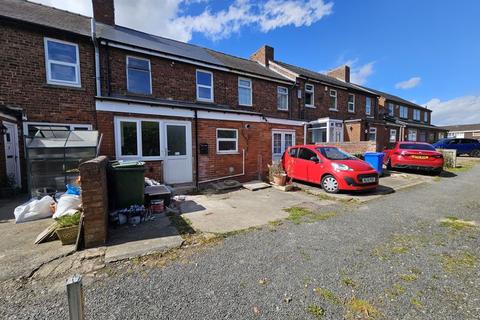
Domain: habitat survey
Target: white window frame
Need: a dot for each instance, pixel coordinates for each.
(368, 111)
(282, 133)
(149, 73)
(334, 95)
(351, 103)
(370, 131)
(250, 88)
(139, 155)
(393, 132)
(425, 116)
(226, 139)
(312, 92)
(286, 94)
(401, 113)
(416, 115)
(197, 85)
(410, 131)
(48, 62)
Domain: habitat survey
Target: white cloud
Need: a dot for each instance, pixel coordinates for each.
(461, 110)
(409, 84)
(359, 75)
(169, 20)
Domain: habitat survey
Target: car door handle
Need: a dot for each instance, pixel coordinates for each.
(9, 157)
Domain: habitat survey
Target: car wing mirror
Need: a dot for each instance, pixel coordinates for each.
(315, 159)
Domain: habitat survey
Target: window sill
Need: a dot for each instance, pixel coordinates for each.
(245, 105)
(136, 94)
(336, 110)
(310, 106)
(227, 153)
(349, 111)
(282, 110)
(205, 101)
(63, 86)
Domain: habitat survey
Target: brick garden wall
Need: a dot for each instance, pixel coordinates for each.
(95, 201)
(359, 147)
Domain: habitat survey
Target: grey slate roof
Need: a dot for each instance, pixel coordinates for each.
(45, 16)
(323, 77)
(463, 127)
(397, 99)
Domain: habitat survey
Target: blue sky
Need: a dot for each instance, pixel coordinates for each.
(425, 51)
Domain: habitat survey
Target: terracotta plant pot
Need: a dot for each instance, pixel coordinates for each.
(280, 179)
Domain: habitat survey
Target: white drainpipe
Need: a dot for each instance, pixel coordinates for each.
(97, 58)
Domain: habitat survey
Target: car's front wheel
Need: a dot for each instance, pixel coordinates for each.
(330, 184)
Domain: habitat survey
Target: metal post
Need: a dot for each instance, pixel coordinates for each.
(75, 297)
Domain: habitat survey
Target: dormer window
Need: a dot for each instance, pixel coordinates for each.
(62, 63)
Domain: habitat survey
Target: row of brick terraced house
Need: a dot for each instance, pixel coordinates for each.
(192, 114)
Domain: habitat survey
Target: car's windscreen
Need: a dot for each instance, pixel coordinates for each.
(335, 154)
(415, 146)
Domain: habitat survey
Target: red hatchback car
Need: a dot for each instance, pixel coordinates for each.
(414, 155)
(330, 167)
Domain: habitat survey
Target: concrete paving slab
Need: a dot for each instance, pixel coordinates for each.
(19, 256)
(242, 209)
(256, 185)
(149, 237)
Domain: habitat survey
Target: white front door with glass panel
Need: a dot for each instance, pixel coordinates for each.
(281, 140)
(12, 159)
(177, 166)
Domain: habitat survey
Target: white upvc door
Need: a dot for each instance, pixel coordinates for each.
(12, 158)
(177, 167)
(281, 140)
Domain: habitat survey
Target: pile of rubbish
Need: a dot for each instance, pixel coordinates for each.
(64, 208)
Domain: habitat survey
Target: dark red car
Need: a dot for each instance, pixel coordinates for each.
(330, 167)
(414, 155)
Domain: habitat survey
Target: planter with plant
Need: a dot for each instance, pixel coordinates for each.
(67, 228)
(276, 174)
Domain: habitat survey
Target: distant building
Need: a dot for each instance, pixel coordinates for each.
(464, 131)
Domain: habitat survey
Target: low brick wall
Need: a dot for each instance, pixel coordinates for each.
(359, 147)
(95, 201)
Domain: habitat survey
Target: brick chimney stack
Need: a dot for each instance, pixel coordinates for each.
(342, 73)
(104, 11)
(263, 55)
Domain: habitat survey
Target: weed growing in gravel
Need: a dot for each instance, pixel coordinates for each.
(398, 244)
(327, 295)
(237, 232)
(362, 309)
(409, 277)
(416, 303)
(395, 291)
(460, 260)
(349, 282)
(316, 311)
(298, 215)
(275, 223)
(305, 255)
(457, 224)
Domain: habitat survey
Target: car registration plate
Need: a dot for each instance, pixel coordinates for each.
(420, 157)
(369, 179)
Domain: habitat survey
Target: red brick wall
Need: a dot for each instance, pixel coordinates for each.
(359, 147)
(177, 81)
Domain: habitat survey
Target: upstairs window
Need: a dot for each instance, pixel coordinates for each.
(282, 98)
(204, 85)
(425, 116)
(309, 95)
(62, 63)
(368, 106)
(333, 100)
(372, 134)
(244, 92)
(138, 76)
(351, 102)
(416, 115)
(403, 112)
(391, 109)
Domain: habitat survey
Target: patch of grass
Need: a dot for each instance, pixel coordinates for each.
(316, 311)
(457, 224)
(362, 309)
(464, 166)
(398, 244)
(395, 291)
(409, 277)
(349, 282)
(275, 223)
(327, 295)
(455, 262)
(237, 232)
(416, 303)
(305, 255)
(298, 215)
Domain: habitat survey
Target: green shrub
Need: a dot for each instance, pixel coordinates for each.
(69, 220)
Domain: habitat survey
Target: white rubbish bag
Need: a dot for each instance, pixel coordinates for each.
(34, 209)
(66, 203)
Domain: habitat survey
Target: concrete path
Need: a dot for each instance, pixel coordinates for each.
(242, 209)
(19, 256)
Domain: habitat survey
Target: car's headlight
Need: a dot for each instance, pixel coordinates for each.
(341, 167)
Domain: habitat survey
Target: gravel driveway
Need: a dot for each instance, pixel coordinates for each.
(389, 259)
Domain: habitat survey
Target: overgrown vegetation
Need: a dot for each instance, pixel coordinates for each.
(362, 309)
(68, 220)
(398, 244)
(327, 295)
(316, 311)
(455, 262)
(298, 215)
(457, 224)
